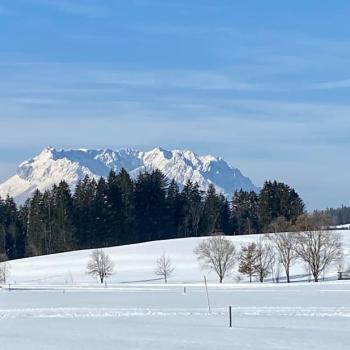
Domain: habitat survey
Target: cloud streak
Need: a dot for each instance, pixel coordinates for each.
(78, 8)
(329, 85)
(179, 79)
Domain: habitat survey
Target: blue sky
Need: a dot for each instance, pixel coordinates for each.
(264, 84)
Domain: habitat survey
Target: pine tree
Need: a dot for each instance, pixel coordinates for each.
(83, 206)
(62, 214)
(10, 227)
(11, 230)
(278, 200)
(100, 215)
(192, 208)
(35, 225)
(150, 205)
(211, 212)
(173, 210)
(128, 220)
(114, 212)
(224, 222)
(21, 233)
(245, 212)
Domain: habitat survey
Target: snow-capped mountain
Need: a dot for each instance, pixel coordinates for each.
(52, 166)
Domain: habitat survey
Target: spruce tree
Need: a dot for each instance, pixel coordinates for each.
(128, 219)
(278, 200)
(150, 205)
(100, 215)
(224, 222)
(211, 212)
(83, 207)
(35, 225)
(173, 210)
(192, 208)
(114, 211)
(245, 212)
(62, 213)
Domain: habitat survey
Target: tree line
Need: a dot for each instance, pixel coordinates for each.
(340, 216)
(269, 255)
(273, 254)
(118, 210)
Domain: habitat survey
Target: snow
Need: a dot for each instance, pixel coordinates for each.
(52, 304)
(52, 166)
(135, 263)
(342, 227)
(300, 316)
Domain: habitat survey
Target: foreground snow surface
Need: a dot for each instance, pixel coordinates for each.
(52, 304)
(270, 316)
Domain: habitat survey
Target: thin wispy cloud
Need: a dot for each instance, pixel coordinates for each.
(181, 79)
(54, 88)
(85, 8)
(328, 85)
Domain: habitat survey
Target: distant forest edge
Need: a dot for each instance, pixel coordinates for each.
(119, 210)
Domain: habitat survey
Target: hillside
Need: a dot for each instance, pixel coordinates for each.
(55, 305)
(133, 263)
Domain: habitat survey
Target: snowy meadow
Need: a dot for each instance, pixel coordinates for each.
(51, 303)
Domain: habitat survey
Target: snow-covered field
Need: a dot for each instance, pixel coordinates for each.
(53, 304)
(343, 227)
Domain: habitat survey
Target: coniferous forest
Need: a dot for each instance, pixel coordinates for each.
(118, 210)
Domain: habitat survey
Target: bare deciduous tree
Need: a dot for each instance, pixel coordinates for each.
(280, 224)
(164, 267)
(316, 221)
(276, 271)
(284, 244)
(4, 269)
(265, 257)
(247, 260)
(100, 265)
(217, 253)
(318, 249)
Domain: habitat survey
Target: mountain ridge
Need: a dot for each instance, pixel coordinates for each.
(54, 165)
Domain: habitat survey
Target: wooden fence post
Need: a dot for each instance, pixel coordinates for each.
(206, 288)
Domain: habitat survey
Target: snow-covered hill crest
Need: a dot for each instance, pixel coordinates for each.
(52, 166)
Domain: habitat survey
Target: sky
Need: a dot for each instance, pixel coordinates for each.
(263, 84)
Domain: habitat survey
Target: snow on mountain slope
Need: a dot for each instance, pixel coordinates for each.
(52, 166)
(136, 263)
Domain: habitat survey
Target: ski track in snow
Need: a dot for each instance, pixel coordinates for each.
(140, 312)
(96, 313)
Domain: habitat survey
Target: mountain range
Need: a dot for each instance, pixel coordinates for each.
(52, 166)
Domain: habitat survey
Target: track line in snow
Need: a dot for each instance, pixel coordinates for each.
(140, 312)
(98, 313)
